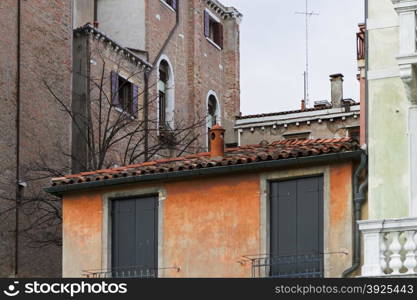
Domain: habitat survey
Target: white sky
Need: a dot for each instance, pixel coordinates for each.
(273, 51)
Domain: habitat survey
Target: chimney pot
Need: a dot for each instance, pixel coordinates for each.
(336, 90)
(303, 105)
(217, 142)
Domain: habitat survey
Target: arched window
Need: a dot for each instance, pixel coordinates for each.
(213, 113)
(165, 95)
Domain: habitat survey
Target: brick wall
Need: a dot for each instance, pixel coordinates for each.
(46, 60)
(199, 66)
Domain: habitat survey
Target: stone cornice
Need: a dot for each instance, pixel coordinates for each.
(405, 5)
(223, 11)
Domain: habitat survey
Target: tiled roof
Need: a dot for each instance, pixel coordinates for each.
(287, 112)
(279, 150)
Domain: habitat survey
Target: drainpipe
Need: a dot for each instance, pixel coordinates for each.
(95, 14)
(147, 76)
(358, 200)
(366, 75)
(18, 189)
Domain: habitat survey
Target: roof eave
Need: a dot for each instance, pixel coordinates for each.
(60, 190)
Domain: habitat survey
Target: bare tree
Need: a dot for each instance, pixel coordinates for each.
(108, 135)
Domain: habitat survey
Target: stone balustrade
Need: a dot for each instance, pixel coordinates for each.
(390, 247)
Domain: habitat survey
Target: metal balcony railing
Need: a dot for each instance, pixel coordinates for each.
(294, 266)
(127, 272)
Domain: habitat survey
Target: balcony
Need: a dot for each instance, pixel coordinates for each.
(389, 247)
(127, 272)
(295, 266)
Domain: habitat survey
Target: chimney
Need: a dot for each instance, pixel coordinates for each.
(336, 90)
(303, 105)
(217, 142)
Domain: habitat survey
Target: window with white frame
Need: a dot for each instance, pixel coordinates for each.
(165, 95)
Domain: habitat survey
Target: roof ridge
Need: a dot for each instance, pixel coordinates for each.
(282, 149)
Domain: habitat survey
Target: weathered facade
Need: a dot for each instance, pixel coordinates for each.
(196, 44)
(35, 53)
(198, 41)
(390, 233)
(337, 118)
(212, 214)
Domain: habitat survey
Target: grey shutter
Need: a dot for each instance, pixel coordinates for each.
(297, 227)
(115, 88)
(135, 93)
(206, 24)
(134, 236)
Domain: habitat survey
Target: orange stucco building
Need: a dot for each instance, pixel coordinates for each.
(215, 216)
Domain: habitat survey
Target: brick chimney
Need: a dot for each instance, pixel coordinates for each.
(217, 142)
(336, 90)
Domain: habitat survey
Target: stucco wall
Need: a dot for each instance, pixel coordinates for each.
(337, 129)
(388, 112)
(83, 12)
(123, 21)
(206, 225)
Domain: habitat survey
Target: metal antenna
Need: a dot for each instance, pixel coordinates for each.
(307, 15)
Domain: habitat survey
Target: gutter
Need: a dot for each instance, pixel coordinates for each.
(60, 190)
(147, 76)
(358, 200)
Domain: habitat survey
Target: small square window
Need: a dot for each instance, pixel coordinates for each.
(124, 94)
(297, 136)
(354, 133)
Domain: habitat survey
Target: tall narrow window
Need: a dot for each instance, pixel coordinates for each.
(213, 112)
(163, 93)
(213, 29)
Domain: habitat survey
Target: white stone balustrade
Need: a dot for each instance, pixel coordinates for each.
(390, 247)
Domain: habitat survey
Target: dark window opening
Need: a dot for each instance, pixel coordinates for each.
(354, 133)
(163, 94)
(213, 29)
(172, 3)
(297, 136)
(211, 116)
(124, 94)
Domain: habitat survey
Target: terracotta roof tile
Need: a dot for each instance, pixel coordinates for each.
(283, 149)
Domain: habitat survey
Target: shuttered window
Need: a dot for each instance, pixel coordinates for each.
(213, 29)
(124, 94)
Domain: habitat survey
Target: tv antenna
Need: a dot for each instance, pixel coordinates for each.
(307, 15)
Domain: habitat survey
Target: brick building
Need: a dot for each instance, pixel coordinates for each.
(35, 52)
(190, 50)
(194, 45)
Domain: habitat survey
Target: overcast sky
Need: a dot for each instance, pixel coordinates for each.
(273, 51)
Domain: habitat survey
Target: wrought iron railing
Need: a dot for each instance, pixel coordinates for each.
(294, 266)
(127, 272)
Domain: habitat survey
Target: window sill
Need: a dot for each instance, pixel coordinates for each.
(213, 43)
(168, 6)
(118, 109)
